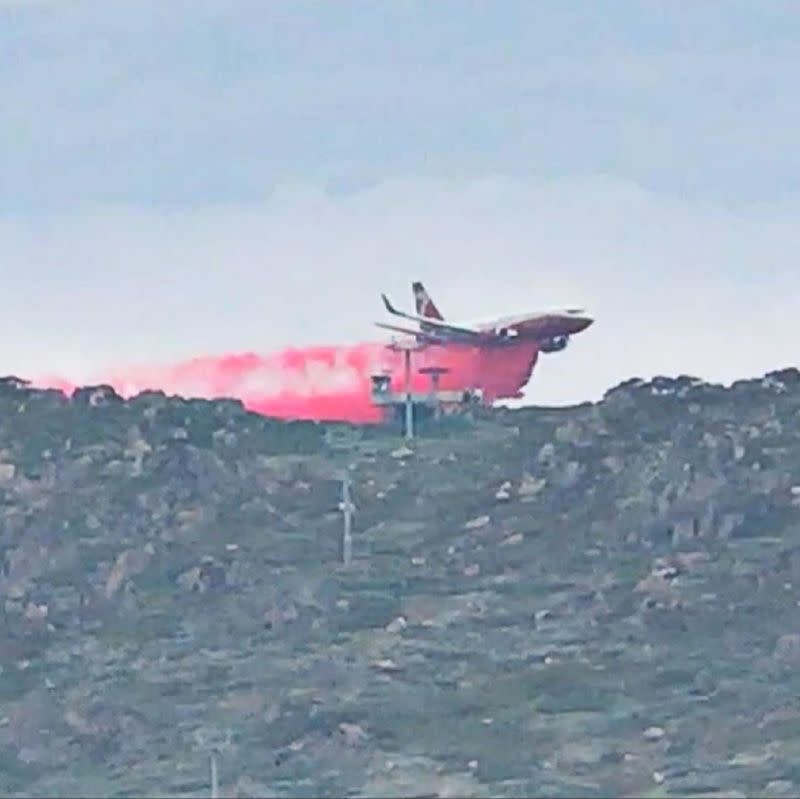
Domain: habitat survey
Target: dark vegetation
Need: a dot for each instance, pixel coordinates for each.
(591, 601)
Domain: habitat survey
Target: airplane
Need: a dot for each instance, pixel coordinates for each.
(551, 330)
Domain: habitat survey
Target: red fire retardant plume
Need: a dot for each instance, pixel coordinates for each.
(322, 383)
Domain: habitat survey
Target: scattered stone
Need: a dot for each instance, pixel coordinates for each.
(36, 613)
(658, 585)
(398, 625)
(477, 522)
(530, 487)
(401, 453)
(751, 759)
(190, 580)
(128, 564)
(504, 492)
(777, 789)
(653, 734)
(787, 647)
(614, 463)
(570, 475)
(249, 788)
(352, 734)
(386, 664)
(546, 454)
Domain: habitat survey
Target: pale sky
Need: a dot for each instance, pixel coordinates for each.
(186, 177)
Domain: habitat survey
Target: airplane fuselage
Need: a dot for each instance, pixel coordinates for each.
(550, 329)
(526, 325)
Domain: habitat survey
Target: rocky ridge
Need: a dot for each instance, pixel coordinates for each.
(590, 601)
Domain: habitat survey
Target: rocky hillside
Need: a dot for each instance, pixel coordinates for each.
(601, 600)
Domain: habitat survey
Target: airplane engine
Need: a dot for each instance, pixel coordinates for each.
(555, 344)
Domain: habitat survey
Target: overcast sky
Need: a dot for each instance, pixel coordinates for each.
(186, 177)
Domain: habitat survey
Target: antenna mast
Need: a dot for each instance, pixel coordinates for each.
(407, 348)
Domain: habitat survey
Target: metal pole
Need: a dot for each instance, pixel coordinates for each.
(214, 778)
(347, 510)
(409, 406)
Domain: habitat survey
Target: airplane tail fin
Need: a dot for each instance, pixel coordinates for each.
(424, 304)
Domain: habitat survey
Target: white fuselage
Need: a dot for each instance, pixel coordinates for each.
(491, 323)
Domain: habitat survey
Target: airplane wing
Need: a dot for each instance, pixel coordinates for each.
(433, 324)
(418, 334)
